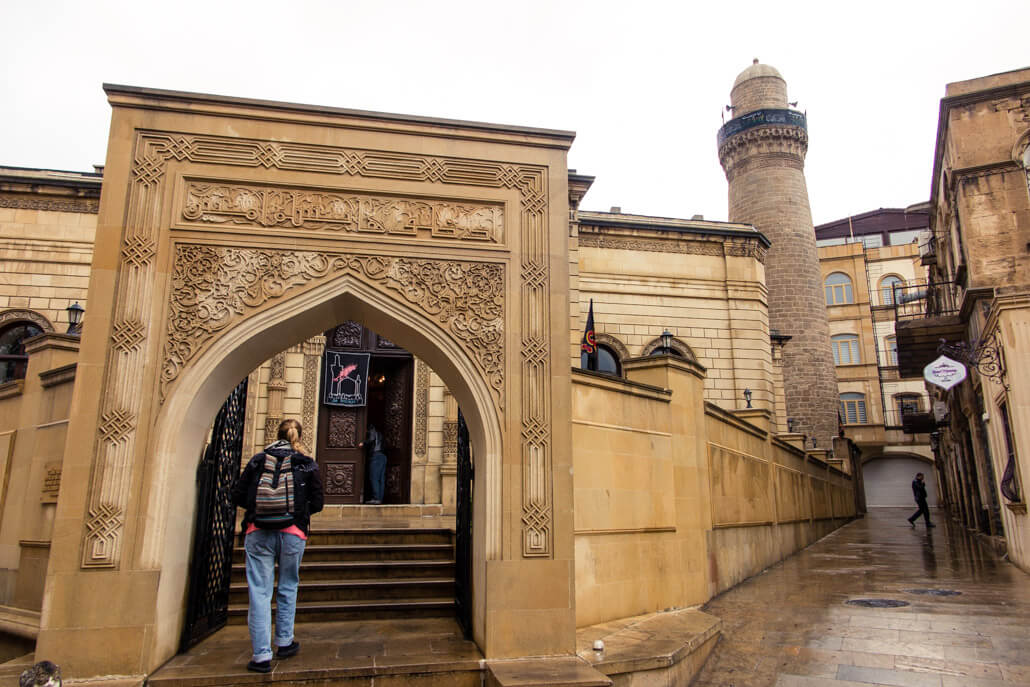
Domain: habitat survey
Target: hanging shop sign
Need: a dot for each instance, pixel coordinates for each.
(944, 372)
(346, 378)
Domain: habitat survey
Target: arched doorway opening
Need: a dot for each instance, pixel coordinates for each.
(182, 423)
(888, 480)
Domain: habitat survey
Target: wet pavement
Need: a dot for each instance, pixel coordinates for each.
(793, 625)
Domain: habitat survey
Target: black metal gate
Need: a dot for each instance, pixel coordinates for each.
(463, 527)
(208, 601)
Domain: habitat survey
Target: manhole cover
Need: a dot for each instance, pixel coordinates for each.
(933, 592)
(878, 603)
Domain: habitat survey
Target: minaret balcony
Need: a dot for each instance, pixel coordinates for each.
(764, 117)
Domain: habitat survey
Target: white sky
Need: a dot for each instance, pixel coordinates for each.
(642, 83)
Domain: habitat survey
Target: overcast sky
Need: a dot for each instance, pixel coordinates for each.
(642, 83)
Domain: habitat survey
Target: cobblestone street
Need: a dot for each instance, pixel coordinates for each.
(963, 623)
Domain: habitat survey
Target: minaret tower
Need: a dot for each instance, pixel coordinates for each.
(762, 150)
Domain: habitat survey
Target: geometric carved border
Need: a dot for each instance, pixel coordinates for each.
(421, 409)
(112, 468)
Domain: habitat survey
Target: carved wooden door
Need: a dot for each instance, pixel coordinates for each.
(341, 429)
(389, 409)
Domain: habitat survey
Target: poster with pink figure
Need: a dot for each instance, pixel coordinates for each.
(346, 378)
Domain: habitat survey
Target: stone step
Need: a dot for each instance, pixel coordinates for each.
(380, 535)
(364, 609)
(362, 570)
(370, 552)
(352, 590)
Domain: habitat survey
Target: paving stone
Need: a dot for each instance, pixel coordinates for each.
(789, 627)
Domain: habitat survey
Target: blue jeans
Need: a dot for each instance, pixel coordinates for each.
(264, 548)
(377, 475)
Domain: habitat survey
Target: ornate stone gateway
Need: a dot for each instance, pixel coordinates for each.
(231, 229)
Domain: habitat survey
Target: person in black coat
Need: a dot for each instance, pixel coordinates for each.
(919, 492)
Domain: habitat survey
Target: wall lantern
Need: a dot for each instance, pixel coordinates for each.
(747, 397)
(667, 341)
(75, 313)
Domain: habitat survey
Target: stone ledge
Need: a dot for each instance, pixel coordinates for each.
(20, 622)
(558, 671)
(667, 648)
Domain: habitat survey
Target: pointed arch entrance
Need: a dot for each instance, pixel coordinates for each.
(230, 230)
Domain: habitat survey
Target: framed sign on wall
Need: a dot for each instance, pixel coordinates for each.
(346, 378)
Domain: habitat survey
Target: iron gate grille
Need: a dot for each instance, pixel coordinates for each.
(463, 530)
(208, 602)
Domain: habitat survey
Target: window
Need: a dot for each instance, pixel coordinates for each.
(891, 346)
(852, 408)
(662, 350)
(845, 349)
(888, 289)
(838, 289)
(13, 360)
(909, 403)
(607, 361)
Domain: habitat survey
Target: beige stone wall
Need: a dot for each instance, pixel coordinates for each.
(34, 416)
(643, 282)
(45, 261)
(1010, 322)
(677, 499)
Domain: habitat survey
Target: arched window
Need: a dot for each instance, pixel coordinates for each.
(852, 408)
(13, 360)
(891, 346)
(888, 289)
(607, 361)
(664, 350)
(845, 349)
(838, 289)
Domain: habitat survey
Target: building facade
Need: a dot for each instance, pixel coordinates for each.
(252, 240)
(975, 306)
(869, 263)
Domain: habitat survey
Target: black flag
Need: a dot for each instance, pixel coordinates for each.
(589, 343)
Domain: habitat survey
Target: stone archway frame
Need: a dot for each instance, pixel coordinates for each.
(678, 345)
(133, 322)
(23, 315)
(615, 344)
(184, 417)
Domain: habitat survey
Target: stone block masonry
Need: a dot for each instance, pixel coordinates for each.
(764, 166)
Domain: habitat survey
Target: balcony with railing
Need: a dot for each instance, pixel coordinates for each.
(925, 313)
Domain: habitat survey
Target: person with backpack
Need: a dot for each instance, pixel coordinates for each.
(279, 489)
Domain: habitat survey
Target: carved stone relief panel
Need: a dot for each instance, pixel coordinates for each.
(394, 488)
(51, 483)
(213, 287)
(343, 428)
(347, 335)
(309, 399)
(450, 441)
(421, 410)
(266, 206)
(339, 479)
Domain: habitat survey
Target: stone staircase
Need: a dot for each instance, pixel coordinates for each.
(376, 572)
